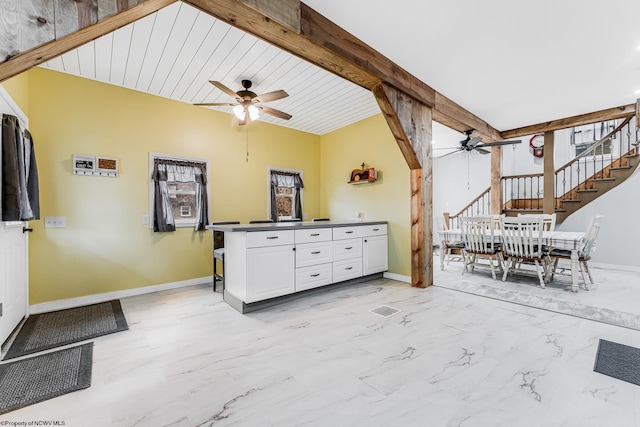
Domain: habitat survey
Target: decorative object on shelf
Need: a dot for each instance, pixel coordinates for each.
(95, 165)
(537, 144)
(360, 176)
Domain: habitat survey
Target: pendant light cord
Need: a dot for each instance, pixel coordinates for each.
(247, 141)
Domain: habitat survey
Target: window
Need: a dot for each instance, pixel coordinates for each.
(583, 137)
(178, 192)
(285, 200)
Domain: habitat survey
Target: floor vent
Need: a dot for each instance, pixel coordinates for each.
(385, 311)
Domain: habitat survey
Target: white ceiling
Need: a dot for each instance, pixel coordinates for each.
(510, 63)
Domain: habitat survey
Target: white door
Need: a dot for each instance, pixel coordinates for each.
(13, 276)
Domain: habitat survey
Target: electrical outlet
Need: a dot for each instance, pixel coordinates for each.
(55, 222)
(145, 219)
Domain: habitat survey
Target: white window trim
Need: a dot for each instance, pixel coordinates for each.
(179, 222)
(273, 168)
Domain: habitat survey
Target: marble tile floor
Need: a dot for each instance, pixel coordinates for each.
(448, 358)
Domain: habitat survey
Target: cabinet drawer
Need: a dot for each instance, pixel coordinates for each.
(375, 230)
(313, 253)
(345, 249)
(258, 239)
(314, 276)
(347, 269)
(340, 233)
(313, 235)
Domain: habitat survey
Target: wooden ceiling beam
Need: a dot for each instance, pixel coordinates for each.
(325, 44)
(72, 27)
(568, 122)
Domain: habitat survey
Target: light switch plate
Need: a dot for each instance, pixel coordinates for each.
(55, 222)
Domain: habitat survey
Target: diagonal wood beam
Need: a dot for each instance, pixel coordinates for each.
(410, 123)
(568, 122)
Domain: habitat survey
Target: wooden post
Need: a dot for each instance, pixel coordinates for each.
(638, 113)
(410, 124)
(549, 200)
(496, 178)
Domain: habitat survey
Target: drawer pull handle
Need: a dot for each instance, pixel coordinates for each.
(315, 234)
(315, 252)
(349, 248)
(348, 268)
(272, 237)
(348, 232)
(376, 229)
(315, 275)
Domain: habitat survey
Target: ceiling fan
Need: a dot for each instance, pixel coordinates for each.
(475, 144)
(248, 104)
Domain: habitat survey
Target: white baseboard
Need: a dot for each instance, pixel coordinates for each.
(97, 298)
(398, 277)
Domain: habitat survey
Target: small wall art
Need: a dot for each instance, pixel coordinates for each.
(95, 165)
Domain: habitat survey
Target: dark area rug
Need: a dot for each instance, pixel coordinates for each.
(39, 378)
(618, 361)
(55, 329)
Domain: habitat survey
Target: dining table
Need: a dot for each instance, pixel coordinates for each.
(565, 240)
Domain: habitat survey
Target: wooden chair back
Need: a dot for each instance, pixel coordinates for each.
(478, 234)
(548, 220)
(590, 237)
(522, 237)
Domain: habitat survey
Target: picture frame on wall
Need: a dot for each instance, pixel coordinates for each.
(84, 165)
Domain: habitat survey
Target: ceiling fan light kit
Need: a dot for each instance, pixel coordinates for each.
(475, 144)
(248, 105)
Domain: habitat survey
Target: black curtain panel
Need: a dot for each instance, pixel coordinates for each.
(20, 190)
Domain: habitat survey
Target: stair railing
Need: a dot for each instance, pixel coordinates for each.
(522, 192)
(480, 206)
(594, 162)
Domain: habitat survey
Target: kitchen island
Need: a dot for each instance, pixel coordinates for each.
(267, 263)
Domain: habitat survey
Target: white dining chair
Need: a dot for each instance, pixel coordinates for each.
(522, 244)
(584, 255)
(453, 251)
(548, 220)
(480, 242)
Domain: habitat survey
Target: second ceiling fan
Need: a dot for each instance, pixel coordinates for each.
(475, 144)
(248, 104)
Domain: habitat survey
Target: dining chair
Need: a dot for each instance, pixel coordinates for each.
(480, 242)
(453, 251)
(584, 255)
(291, 220)
(522, 243)
(548, 220)
(261, 221)
(218, 251)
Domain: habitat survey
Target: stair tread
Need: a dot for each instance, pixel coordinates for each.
(613, 168)
(603, 179)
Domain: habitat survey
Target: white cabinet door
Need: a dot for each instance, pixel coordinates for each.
(375, 256)
(270, 272)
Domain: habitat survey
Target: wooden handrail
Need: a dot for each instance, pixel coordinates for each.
(528, 175)
(595, 145)
(472, 202)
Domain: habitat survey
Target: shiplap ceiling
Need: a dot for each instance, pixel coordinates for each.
(175, 52)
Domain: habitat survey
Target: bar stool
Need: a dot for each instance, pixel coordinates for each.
(218, 251)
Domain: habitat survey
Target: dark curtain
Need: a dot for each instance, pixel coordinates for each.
(20, 191)
(167, 170)
(286, 179)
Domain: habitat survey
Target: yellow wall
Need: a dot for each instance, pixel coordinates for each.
(388, 198)
(105, 247)
(18, 88)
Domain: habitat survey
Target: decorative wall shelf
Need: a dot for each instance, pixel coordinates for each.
(364, 175)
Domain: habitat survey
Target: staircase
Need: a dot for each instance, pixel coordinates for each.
(579, 182)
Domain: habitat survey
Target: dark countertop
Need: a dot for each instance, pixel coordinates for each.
(290, 225)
